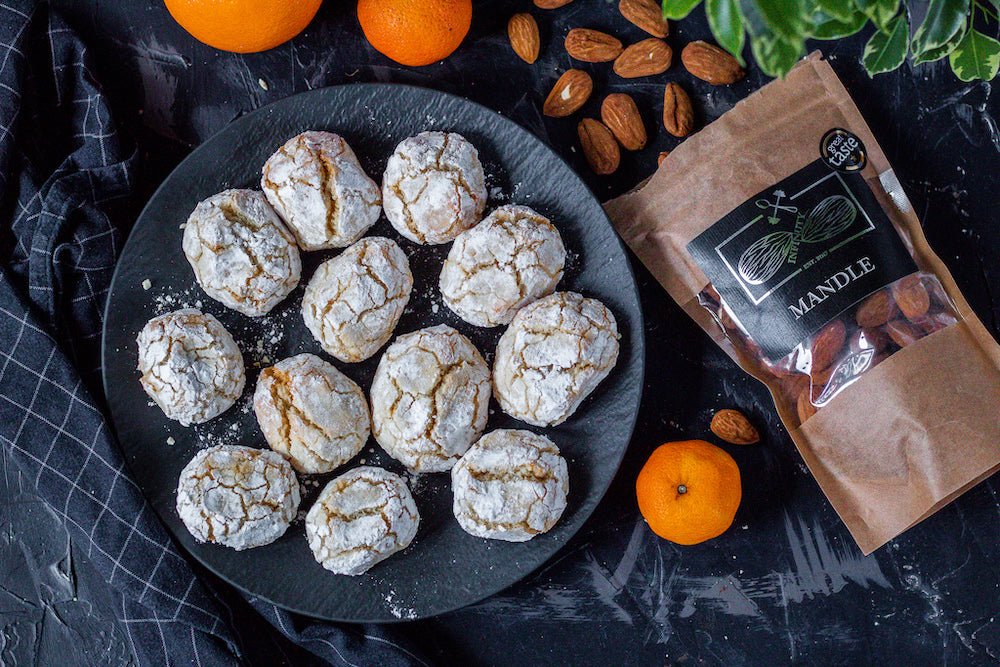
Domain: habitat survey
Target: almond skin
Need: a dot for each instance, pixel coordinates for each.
(569, 94)
(804, 407)
(551, 4)
(646, 58)
(710, 63)
(911, 296)
(646, 14)
(826, 345)
(733, 427)
(678, 114)
(903, 333)
(876, 310)
(592, 46)
(659, 160)
(621, 115)
(599, 146)
(524, 39)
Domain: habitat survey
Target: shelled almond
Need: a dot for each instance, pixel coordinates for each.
(570, 92)
(621, 115)
(646, 14)
(646, 58)
(599, 146)
(710, 63)
(733, 427)
(678, 113)
(522, 30)
(592, 46)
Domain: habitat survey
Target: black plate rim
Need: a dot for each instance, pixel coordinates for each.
(638, 344)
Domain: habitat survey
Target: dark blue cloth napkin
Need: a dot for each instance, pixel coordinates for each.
(65, 173)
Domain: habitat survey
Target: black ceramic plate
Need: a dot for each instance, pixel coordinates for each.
(444, 568)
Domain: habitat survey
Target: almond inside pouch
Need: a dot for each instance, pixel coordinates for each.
(783, 232)
(905, 436)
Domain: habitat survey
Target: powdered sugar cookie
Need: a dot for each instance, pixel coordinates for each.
(361, 518)
(240, 251)
(354, 300)
(511, 485)
(190, 365)
(507, 261)
(430, 398)
(311, 413)
(555, 352)
(317, 186)
(434, 188)
(239, 497)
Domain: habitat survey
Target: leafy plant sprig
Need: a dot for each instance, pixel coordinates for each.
(778, 30)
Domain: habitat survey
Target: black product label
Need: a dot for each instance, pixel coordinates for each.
(790, 259)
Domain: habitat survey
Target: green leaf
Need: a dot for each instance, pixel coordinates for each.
(940, 52)
(775, 55)
(727, 26)
(977, 56)
(829, 27)
(787, 19)
(839, 9)
(678, 9)
(879, 11)
(886, 51)
(944, 19)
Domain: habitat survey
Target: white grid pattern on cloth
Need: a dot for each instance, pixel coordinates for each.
(52, 291)
(59, 268)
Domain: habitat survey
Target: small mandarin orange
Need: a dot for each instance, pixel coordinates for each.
(689, 491)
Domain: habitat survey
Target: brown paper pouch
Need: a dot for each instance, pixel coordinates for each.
(783, 231)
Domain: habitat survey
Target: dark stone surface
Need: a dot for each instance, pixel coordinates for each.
(786, 584)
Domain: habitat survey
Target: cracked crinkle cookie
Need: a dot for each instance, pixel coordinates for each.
(240, 497)
(311, 413)
(511, 485)
(354, 301)
(241, 252)
(317, 186)
(433, 188)
(430, 398)
(555, 352)
(361, 518)
(507, 261)
(190, 365)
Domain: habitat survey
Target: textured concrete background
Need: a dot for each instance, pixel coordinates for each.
(786, 584)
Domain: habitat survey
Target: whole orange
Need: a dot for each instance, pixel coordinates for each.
(243, 26)
(415, 32)
(689, 491)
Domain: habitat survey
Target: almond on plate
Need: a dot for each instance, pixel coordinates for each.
(551, 4)
(646, 58)
(592, 46)
(523, 33)
(599, 146)
(569, 93)
(710, 63)
(620, 113)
